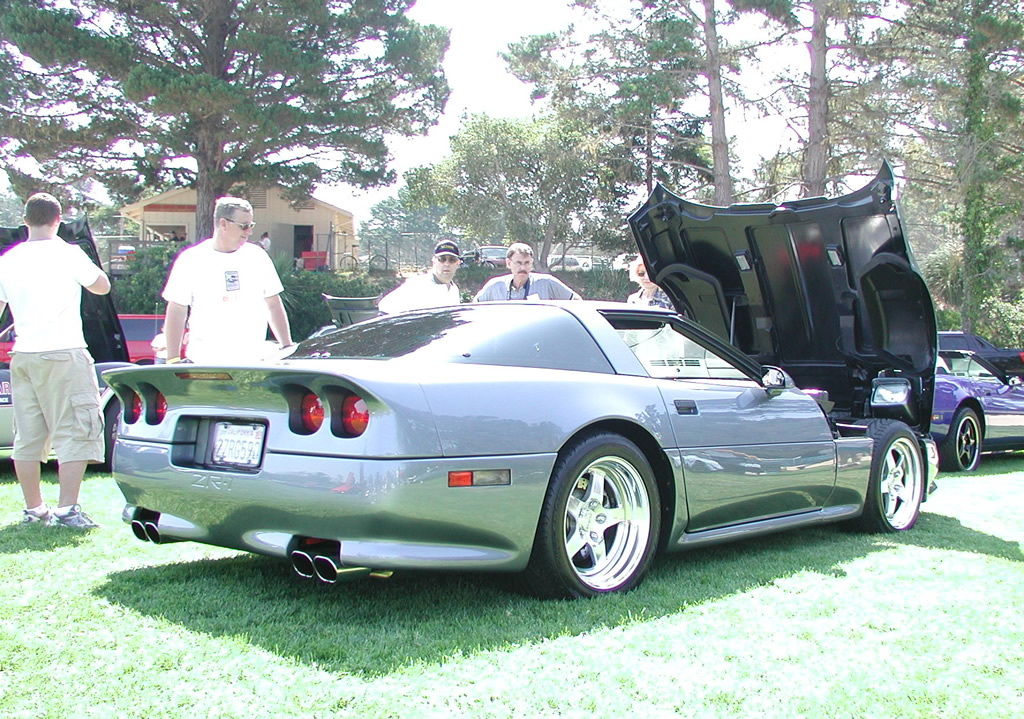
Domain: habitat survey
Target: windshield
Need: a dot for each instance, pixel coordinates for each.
(517, 335)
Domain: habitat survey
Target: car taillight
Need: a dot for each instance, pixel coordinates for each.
(134, 409)
(159, 407)
(311, 412)
(354, 415)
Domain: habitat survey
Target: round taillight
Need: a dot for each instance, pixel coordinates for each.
(311, 412)
(354, 415)
(134, 409)
(159, 407)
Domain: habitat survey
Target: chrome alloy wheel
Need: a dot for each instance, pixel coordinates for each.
(607, 523)
(901, 483)
(968, 441)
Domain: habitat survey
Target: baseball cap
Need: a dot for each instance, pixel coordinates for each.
(446, 247)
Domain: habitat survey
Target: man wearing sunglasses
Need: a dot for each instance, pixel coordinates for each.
(229, 291)
(436, 288)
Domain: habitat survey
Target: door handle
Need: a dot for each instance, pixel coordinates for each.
(686, 406)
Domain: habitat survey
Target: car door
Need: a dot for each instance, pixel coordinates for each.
(746, 453)
(1003, 403)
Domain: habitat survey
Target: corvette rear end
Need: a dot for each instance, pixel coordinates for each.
(284, 463)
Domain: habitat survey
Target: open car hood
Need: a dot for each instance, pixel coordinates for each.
(103, 333)
(825, 288)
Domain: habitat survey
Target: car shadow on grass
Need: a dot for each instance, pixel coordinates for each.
(372, 627)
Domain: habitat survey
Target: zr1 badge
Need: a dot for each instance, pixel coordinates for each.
(231, 283)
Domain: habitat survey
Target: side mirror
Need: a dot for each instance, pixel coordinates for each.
(776, 381)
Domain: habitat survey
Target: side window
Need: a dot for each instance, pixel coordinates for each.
(975, 370)
(958, 365)
(667, 354)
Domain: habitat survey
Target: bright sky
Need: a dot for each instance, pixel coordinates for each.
(478, 78)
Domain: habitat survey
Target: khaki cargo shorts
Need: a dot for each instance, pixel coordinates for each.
(56, 402)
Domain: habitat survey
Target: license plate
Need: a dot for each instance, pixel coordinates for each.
(237, 445)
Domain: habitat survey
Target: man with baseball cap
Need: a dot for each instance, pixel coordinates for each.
(436, 288)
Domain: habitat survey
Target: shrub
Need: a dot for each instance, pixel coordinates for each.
(139, 292)
(302, 299)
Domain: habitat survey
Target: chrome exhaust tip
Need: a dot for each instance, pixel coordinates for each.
(139, 530)
(152, 532)
(326, 568)
(302, 563)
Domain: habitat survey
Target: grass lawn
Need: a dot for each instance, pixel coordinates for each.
(816, 623)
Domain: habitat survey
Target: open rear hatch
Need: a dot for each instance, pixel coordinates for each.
(825, 288)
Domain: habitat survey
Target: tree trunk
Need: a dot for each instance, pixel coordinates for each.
(719, 140)
(975, 224)
(817, 107)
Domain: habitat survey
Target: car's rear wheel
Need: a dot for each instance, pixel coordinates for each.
(600, 521)
(960, 451)
(896, 483)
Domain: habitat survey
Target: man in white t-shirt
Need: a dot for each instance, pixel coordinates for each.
(54, 391)
(228, 289)
(436, 288)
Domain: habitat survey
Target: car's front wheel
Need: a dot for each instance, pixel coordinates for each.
(897, 479)
(960, 451)
(599, 523)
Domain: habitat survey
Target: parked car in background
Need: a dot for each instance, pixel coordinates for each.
(627, 430)
(570, 263)
(566, 263)
(7, 335)
(139, 331)
(1010, 361)
(977, 408)
(103, 335)
(492, 255)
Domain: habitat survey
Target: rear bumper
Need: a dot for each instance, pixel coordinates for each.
(385, 514)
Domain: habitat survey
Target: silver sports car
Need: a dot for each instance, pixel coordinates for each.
(568, 442)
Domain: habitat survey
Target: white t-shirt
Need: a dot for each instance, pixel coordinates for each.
(42, 281)
(420, 292)
(227, 294)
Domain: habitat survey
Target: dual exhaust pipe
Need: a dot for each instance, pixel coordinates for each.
(320, 559)
(323, 561)
(146, 528)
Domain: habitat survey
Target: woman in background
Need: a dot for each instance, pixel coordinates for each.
(649, 294)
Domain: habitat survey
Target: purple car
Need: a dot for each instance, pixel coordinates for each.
(977, 408)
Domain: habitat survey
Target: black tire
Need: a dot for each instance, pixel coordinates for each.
(960, 451)
(111, 417)
(348, 263)
(599, 524)
(896, 484)
(378, 263)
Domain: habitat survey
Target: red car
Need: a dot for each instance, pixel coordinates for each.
(139, 331)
